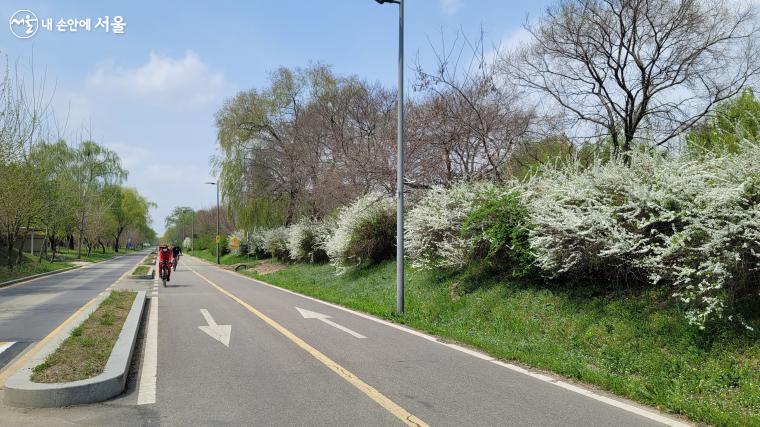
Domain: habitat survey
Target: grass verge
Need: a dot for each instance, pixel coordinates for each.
(628, 343)
(226, 259)
(141, 270)
(30, 267)
(96, 255)
(84, 354)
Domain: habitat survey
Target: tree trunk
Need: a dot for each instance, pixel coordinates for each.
(53, 247)
(626, 151)
(11, 242)
(116, 240)
(24, 236)
(44, 248)
(291, 207)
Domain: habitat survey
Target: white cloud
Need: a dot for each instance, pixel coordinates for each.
(178, 84)
(510, 42)
(158, 115)
(450, 7)
(515, 39)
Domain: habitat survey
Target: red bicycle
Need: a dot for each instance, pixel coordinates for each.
(164, 271)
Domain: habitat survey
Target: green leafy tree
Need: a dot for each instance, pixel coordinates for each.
(57, 212)
(733, 123)
(129, 209)
(93, 167)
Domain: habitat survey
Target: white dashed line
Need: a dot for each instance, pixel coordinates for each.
(147, 391)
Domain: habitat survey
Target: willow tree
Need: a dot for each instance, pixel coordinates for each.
(93, 167)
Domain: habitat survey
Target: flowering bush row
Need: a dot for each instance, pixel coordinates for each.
(691, 226)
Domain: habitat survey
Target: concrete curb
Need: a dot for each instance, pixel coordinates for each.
(37, 276)
(149, 276)
(50, 273)
(21, 391)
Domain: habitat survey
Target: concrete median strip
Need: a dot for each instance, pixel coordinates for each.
(21, 391)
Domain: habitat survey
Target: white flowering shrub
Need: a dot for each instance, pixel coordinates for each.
(276, 242)
(364, 233)
(692, 225)
(237, 243)
(432, 233)
(255, 243)
(187, 243)
(304, 241)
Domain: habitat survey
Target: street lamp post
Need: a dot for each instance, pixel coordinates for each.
(216, 184)
(399, 162)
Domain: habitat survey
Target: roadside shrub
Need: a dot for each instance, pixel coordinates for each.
(256, 243)
(690, 225)
(433, 233)
(276, 242)
(364, 234)
(304, 242)
(499, 228)
(187, 243)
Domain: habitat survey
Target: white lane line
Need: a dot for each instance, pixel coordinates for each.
(147, 391)
(620, 404)
(5, 346)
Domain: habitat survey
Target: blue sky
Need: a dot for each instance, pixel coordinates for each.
(151, 93)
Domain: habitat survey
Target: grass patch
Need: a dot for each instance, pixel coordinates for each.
(64, 254)
(85, 352)
(141, 270)
(226, 259)
(29, 267)
(629, 343)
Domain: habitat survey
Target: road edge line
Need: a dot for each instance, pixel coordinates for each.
(371, 392)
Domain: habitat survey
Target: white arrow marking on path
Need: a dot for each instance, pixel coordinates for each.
(220, 333)
(325, 318)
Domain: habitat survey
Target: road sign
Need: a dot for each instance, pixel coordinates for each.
(217, 239)
(234, 243)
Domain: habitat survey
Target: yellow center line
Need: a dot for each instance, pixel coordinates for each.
(365, 388)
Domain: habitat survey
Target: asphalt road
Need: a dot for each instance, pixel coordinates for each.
(220, 349)
(29, 311)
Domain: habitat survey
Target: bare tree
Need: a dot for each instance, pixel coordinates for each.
(474, 118)
(638, 69)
